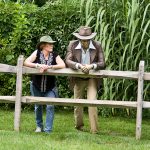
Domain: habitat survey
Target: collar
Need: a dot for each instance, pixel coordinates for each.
(91, 46)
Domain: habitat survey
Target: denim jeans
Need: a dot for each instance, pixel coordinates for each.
(39, 108)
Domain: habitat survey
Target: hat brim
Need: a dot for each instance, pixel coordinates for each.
(49, 42)
(84, 37)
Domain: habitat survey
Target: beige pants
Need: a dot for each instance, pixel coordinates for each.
(79, 90)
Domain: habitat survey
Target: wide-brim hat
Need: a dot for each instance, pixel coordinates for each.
(85, 33)
(45, 39)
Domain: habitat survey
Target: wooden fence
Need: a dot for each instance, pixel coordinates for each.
(19, 70)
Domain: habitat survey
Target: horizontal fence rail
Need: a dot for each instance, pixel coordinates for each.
(78, 102)
(70, 102)
(73, 102)
(77, 73)
(19, 70)
(7, 68)
(7, 99)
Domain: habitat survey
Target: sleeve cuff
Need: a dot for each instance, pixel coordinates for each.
(77, 66)
(94, 66)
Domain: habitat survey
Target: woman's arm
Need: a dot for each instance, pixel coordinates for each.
(29, 61)
(60, 64)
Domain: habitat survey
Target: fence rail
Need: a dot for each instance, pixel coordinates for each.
(20, 70)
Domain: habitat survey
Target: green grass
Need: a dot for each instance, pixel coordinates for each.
(115, 133)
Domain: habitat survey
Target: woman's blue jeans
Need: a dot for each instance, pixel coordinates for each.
(39, 108)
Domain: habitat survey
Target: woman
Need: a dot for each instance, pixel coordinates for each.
(43, 85)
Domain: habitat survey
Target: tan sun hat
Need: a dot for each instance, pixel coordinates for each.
(45, 39)
(85, 33)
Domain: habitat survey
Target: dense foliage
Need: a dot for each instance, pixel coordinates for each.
(23, 25)
(122, 27)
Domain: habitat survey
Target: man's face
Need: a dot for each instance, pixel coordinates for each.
(85, 44)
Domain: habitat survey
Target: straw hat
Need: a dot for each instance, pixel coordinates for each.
(85, 33)
(45, 39)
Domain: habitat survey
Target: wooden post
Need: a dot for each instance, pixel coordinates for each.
(18, 93)
(139, 100)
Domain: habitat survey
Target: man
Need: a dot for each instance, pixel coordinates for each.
(85, 54)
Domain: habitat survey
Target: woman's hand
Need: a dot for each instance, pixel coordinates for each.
(42, 67)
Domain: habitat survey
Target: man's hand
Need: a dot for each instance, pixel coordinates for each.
(85, 68)
(81, 66)
(89, 67)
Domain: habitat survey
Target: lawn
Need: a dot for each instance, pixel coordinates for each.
(115, 133)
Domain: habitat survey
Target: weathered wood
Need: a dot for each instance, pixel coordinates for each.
(139, 100)
(118, 74)
(146, 104)
(70, 102)
(78, 73)
(146, 76)
(4, 68)
(7, 99)
(78, 102)
(7, 68)
(18, 94)
(140, 76)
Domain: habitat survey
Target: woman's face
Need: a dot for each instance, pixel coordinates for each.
(48, 47)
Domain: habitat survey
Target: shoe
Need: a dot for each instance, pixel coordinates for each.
(47, 131)
(94, 132)
(80, 128)
(38, 129)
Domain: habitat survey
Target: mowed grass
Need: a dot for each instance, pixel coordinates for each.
(115, 133)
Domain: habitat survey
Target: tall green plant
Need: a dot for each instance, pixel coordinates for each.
(123, 30)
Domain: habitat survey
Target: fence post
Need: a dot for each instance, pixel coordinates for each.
(18, 93)
(139, 100)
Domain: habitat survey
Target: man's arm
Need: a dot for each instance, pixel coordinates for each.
(101, 59)
(69, 57)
